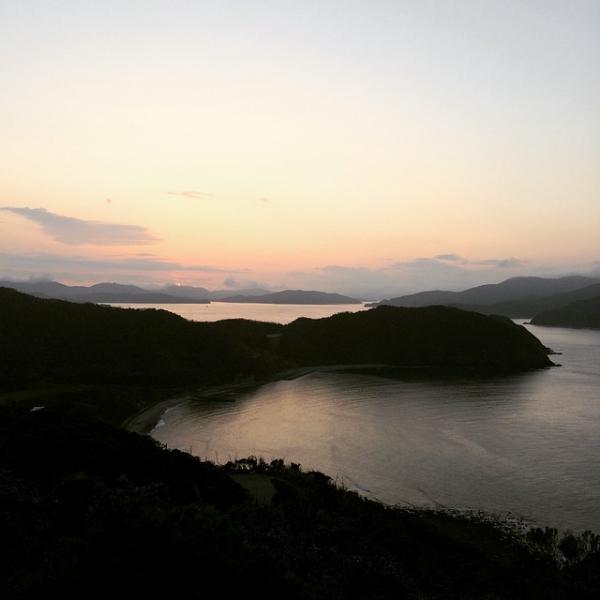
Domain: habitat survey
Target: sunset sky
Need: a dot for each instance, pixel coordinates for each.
(369, 147)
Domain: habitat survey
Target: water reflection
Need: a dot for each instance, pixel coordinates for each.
(526, 444)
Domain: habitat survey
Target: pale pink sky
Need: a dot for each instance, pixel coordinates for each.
(371, 148)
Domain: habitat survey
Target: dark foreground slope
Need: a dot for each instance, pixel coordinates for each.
(91, 511)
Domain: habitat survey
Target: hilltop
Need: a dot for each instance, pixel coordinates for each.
(116, 361)
(433, 336)
(45, 341)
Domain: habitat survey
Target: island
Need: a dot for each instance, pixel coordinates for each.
(294, 297)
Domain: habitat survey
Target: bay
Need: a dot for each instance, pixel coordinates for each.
(272, 313)
(525, 446)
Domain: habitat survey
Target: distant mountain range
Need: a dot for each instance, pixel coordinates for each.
(518, 297)
(104, 293)
(107, 293)
(295, 297)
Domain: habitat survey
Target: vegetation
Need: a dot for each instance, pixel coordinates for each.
(581, 314)
(126, 358)
(433, 336)
(518, 297)
(90, 510)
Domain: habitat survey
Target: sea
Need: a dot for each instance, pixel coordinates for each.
(522, 447)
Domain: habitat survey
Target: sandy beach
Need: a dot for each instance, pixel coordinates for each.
(145, 420)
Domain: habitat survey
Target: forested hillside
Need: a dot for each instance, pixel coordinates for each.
(44, 340)
(92, 511)
(434, 336)
(582, 314)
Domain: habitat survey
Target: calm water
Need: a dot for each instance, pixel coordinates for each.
(273, 313)
(526, 445)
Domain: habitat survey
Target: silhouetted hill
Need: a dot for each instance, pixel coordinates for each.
(144, 297)
(581, 314)
(515, 297)
(103, 293)
(294, 297)
(434, 336)
(528, 307)
(45, 289)
(90, 511)
(113, 288)
(201, 293)
(45, 340)
(186, 291)
(172, 294)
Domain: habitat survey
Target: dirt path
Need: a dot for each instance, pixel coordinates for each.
(260, 486)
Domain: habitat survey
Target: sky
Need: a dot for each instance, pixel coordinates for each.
(368, 147)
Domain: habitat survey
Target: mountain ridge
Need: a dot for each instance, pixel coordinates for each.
(515, 297)
(294, 297)
(118, 293)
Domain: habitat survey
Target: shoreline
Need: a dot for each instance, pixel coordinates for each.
(145, 420)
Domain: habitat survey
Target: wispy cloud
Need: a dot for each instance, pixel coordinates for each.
(138, 262)
(137, 268)
(234, 283)
(449, 257)
(77, 232)
(458, 262)
(191, 194)
(422, 263)
(502, 263)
